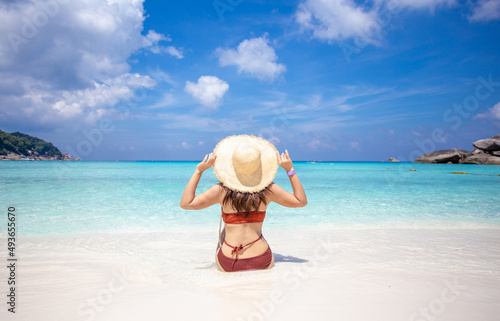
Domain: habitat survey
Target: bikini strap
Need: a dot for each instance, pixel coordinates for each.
(220, 225)
(238, 248)
(241, 246)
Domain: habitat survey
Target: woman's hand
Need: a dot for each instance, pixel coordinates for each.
(285, 161)
(206, 163)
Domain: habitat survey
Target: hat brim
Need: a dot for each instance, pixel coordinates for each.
(225, 172)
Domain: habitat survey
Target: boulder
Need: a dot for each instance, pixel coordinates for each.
(66, 157)
(477, 151)
(488, 144)
(18, 157)
(482, 159)
(12, 157)
(454, 155)
(393, 160)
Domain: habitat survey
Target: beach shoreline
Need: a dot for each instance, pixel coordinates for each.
(326, 273)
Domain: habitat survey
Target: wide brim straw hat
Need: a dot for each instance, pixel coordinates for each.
(245, 163)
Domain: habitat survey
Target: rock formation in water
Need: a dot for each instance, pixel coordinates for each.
(485, 152)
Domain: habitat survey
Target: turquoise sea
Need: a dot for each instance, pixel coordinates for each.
(81, 197)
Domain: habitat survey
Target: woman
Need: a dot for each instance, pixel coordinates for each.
(246, 166)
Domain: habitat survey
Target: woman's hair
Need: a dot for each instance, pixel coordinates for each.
(245, 201)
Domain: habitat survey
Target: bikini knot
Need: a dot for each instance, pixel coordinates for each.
(237, 248)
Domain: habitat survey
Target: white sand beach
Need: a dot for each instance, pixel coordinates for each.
(322, 273)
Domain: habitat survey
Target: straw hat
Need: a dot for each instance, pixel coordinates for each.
(245, 163)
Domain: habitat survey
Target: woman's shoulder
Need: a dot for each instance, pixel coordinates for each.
(273, 187)
(216, 191)
(275, 190)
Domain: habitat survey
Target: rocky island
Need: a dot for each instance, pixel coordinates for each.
(485, 152)
(18, 146)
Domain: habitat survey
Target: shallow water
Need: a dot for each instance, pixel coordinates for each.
(79, 197)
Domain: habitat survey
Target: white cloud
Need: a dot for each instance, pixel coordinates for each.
(317, 144)
(160, 76)
(419, 4)
(314, 144)
(253, 57)
(68, 61)
(344, 107)
(173, 52)
(414, 132)
(354, 145)
(151, 42)
(168, 100)
(493, 113)
(185, 145)
(486, 10)
(273, 140)
(153, 38)
(337, 20)
(91, 102)
(208, 91)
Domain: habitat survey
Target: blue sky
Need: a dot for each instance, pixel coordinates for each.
(337, 80)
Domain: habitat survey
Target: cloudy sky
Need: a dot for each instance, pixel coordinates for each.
(339, 80)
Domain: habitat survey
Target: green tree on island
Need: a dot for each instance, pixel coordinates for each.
(26, 145)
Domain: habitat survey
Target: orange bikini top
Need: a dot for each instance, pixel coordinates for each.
(243, 217)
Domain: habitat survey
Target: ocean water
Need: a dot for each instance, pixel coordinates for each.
(83, 197)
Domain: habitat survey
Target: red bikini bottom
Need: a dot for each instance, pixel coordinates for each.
(259, 262)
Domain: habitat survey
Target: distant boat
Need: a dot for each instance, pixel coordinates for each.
(26, 159)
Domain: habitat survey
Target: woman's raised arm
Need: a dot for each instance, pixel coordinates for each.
(190, 201)
(282, 197)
